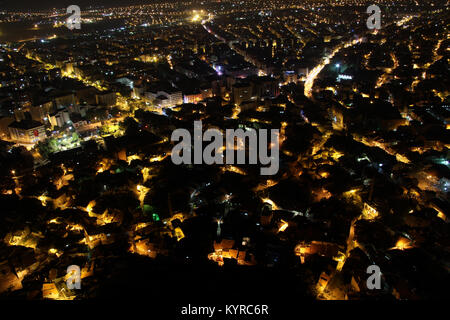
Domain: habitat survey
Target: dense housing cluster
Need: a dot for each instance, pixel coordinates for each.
(86, 118)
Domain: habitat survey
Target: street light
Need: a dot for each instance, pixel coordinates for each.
(338, 66)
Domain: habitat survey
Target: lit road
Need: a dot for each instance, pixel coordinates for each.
(325, 61)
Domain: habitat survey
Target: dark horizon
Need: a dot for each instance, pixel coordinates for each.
(48, 4)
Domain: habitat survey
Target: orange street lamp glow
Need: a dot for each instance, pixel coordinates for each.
(284, 226)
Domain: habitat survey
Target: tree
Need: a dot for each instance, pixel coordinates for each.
(21, 158)
(43, 149)
(75, 137)
(53, 144)
(130, 126)
(48, 146)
